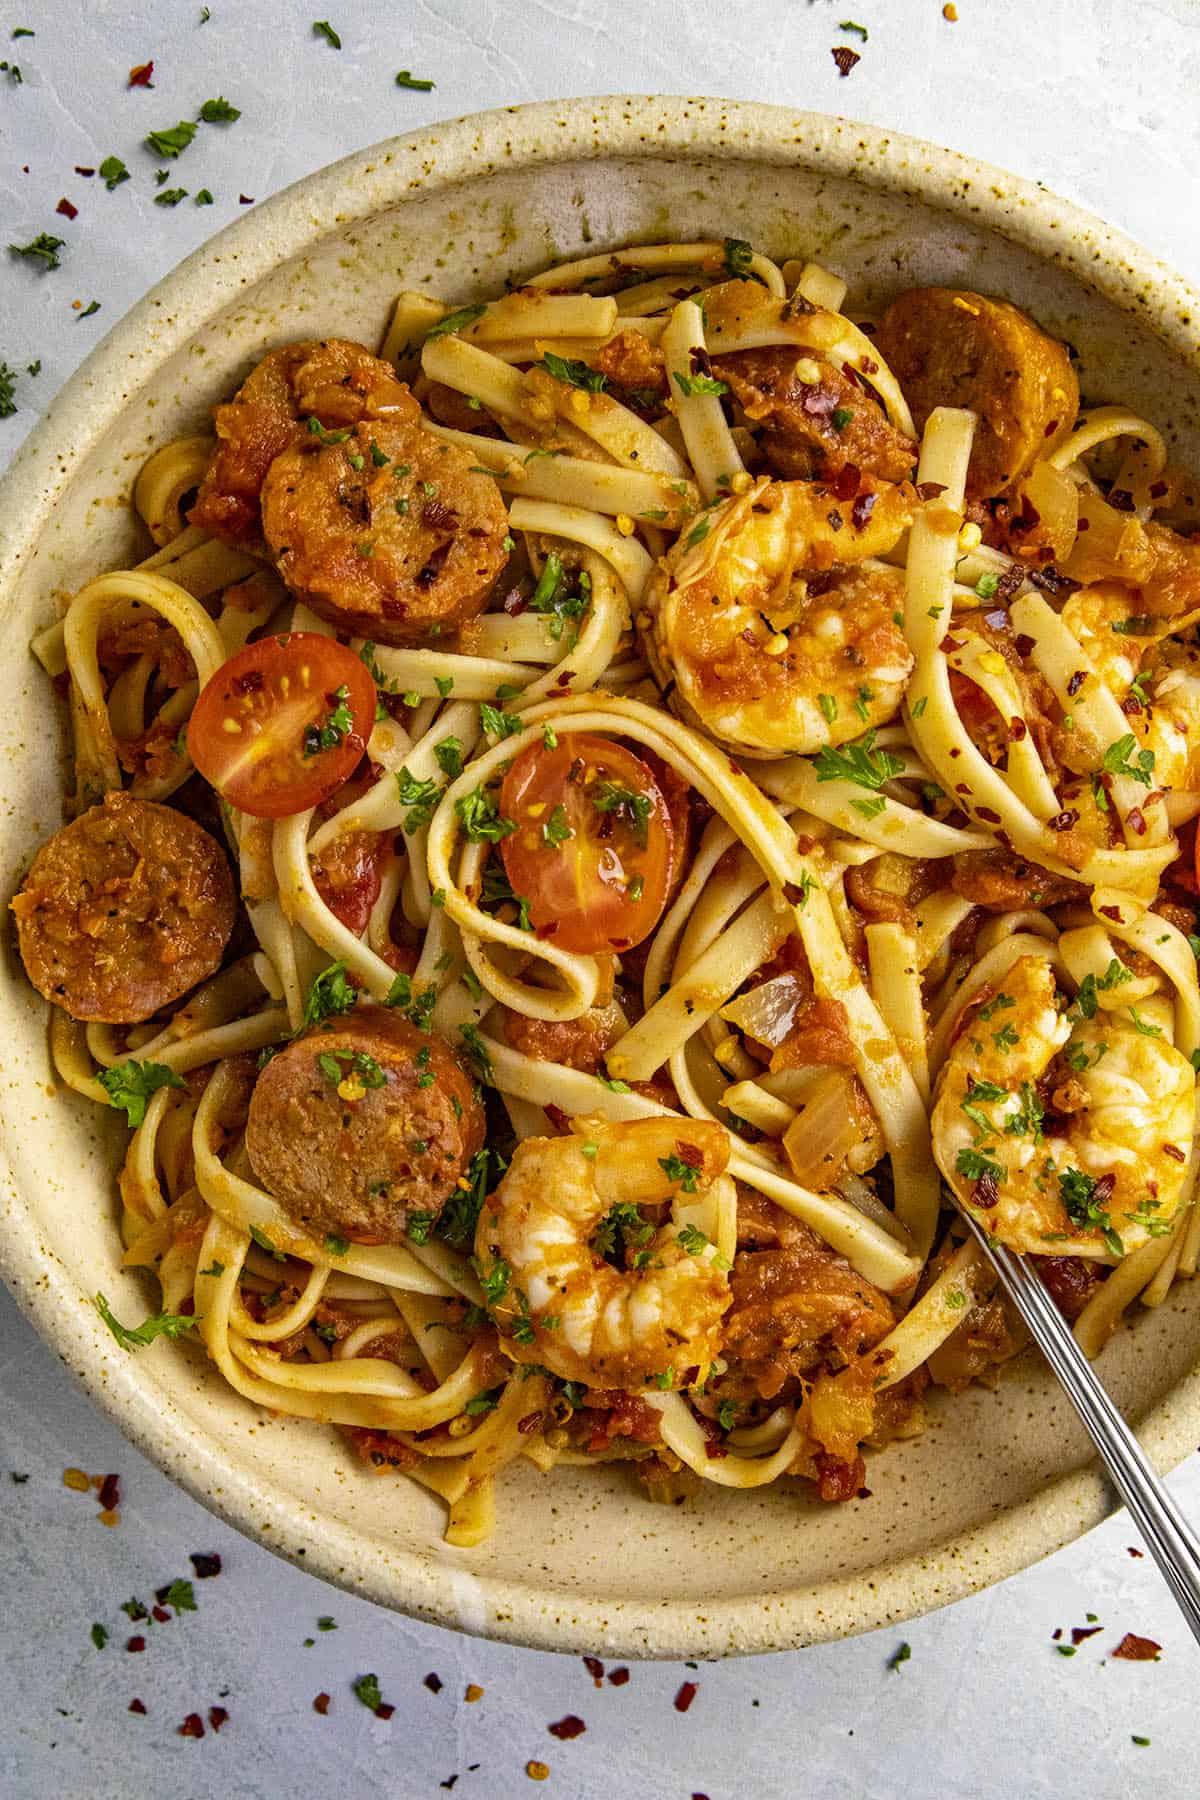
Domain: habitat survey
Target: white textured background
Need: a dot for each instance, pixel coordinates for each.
(1097, 98)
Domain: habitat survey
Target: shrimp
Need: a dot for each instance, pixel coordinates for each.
(1062, 1132)
(563, 1200)
(764, 632)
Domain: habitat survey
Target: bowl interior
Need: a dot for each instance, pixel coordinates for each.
(575, 1561)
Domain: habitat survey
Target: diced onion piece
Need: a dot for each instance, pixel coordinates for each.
(1055, 499)
(826, 1128)
(766, 1013)
(1110, 546)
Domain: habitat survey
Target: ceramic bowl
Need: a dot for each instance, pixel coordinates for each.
(579, 1560)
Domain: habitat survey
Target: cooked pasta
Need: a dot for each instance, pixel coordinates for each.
(598, 832)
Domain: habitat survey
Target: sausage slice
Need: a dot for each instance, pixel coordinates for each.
(390, 534)
(362, 1122)
(124, 910)
(334, 381)
(950, 347)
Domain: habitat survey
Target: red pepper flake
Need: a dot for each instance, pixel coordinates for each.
(529, 1423)
(1113, 913)
(193, 1726)
(384, 1710)
(66, 209)
(110, 1491)
(433, 1683)
(217, 1716)
(687, 1691)
(321, 1704)
(1056, 1634)
(245, 200)
(137, 1706)
(1080, 1632)
(1137, 1649)
(595, 1669)
(161, 1614)
(1133, 1552)
(845, 58)
(568, 1727)
(135, 1644)
(206, 1563)
(930, 490)
(619, 1677)
(86, 173)
(140, 77)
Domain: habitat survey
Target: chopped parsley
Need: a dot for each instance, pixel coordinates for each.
(219, 112)
(357, 1062)
(113, 172)
(339, 723)
(180, 1596)
(1144, 1025)
(477, 1051)
(849, 25)
(171, 1325)
(419, 1225)
(859, 762)
(43, 248)
(456, 321)
(171, 197)
(366, 1687)
(406, 79)
(130, 1085)
(840, 417)
(726, 1414)
(1116, 975)
(692, 1239)
(998, 1004)
(552, 600)
(264, 1243)
(448, 756)
(420, 797)
(172, 142)
(573, 372)
(99, 1636)
(499, 723)
(1116, 760)
(482, 1403)
(738, 257)
(899, 1656)
(330, 995)
(675, 1169)
(828, 706)
(335, 1245)
(622, 1228)
(632, 809)
(324, 29)
(699, 384)
(481, 819)
(557, 830)
(972, 1165)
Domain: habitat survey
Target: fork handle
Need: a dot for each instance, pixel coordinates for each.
(1171, 1541)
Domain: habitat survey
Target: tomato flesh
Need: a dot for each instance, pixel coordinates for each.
(283, 723)
(593, 847)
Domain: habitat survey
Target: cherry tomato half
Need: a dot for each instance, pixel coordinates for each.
(593, 847)
(283, 723)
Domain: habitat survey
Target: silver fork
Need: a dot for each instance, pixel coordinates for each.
(1173, 1544)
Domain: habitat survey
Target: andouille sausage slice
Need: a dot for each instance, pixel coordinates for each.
(362, 1122)
(390, 534)
(124, 910)
(334, 381)
(951, 347)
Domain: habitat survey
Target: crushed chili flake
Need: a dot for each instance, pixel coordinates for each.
(1080, 1632)
(449, 1783)
(110, 1491)
(161, 1614)
(193, 1726)
(568, 1727)
(66, 209)
(217, 1716)
(135, 1644)
(1133, 1552)
(79, 170)
(76, 1480)
(321, 1704)
(245, 200)
(140, 77)
(433, 1683)
(595, 1668)
(137, 1706)
(685, 1696)
(1137, 1649)
(845, 58)
(384, 1710)
(206, 1563)
(619, 1677)
(472, 1693)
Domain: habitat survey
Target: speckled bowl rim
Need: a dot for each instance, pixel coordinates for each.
(437, 1586)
